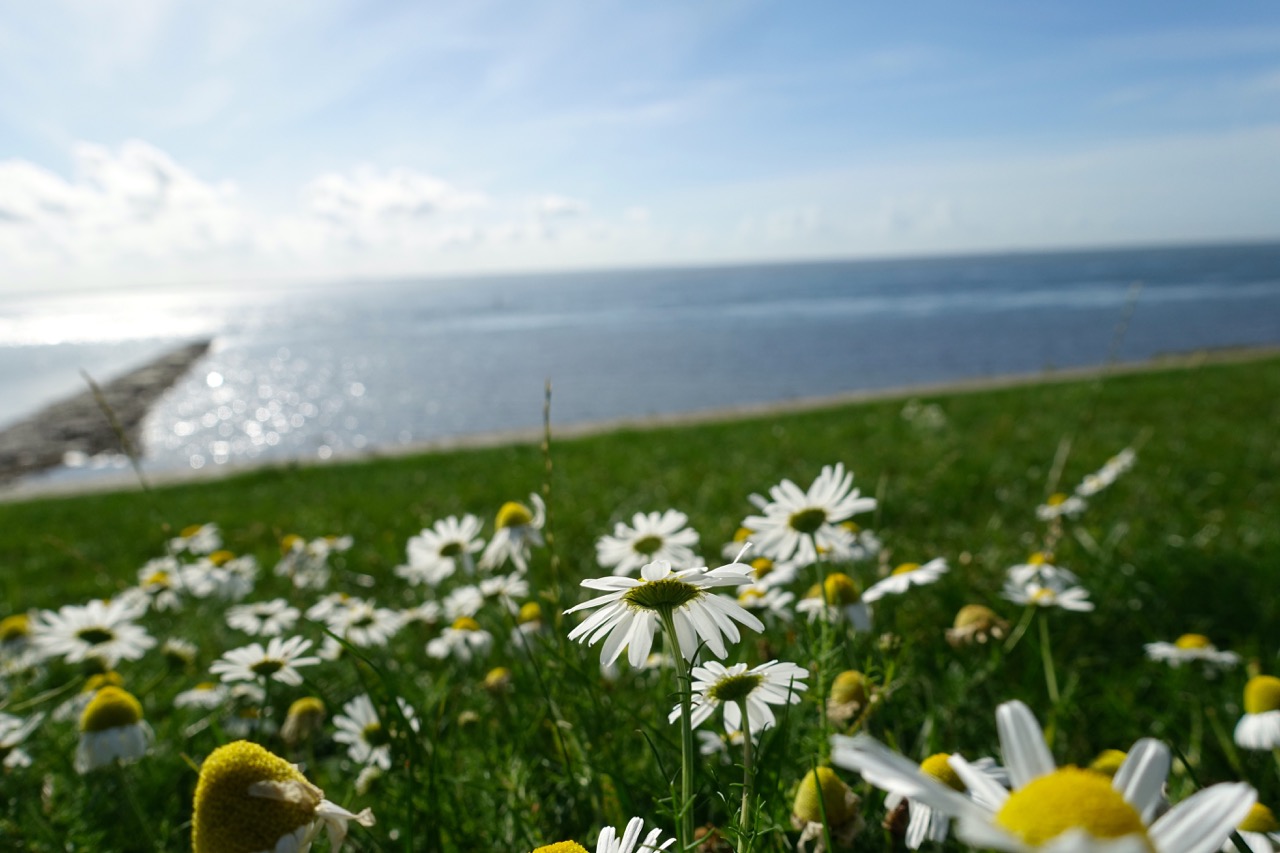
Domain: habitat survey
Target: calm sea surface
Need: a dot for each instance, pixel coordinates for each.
(318, 371)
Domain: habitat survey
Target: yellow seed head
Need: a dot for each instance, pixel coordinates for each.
(836, 798)
(1262, 694)
(497, 679)
(906, 568)
(513, 514)
(742, 534)
(110, 708)
(561, 847)
(1039, 558)
(1192, 641)
(1057, 499)
(1108, 762)
(761, 566)
(1259, 819)
(305, 718)
(221, 557)
(290, 542)
(976, 616)
(465, 623)
(190, 530)
(841, 590)
(937, 767)
(1066, 799)
(530, 612)
(231, 818)
(96, 682)
(15, 627)
(849, 686)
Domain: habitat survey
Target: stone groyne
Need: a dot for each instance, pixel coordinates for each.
(79, 423)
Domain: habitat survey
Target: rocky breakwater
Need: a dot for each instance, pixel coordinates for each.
(80, 424)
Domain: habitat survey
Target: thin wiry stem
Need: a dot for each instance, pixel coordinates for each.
(746, 832)
(1046, 657)
(684, 812)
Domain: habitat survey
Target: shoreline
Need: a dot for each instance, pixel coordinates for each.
(14, 488)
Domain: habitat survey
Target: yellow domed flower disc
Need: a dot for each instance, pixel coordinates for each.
(513, 514)
(841, 589)
(1259, 819)
(497, 679)
(465, 623)
(14, 627)
(1262, 694)
(1192, 641)
(96, 682)
(530, 612)
(905, 569)
(1066, 799)
(849, 686)
(231, 819)
(562, 847)
(835, 802)
(975, 616)
(221, 557)
(289, 542)
(937, 767)
(1108, 762)
(110, 708)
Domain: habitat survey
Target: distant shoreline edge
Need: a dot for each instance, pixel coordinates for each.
(15, 489)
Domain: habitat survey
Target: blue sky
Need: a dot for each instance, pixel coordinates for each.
(148, 141)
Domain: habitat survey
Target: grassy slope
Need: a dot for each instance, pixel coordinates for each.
(1185, 542)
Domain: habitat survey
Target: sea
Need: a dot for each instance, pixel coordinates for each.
(327, 370)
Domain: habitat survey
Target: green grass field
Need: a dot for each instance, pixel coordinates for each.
(1186, 542)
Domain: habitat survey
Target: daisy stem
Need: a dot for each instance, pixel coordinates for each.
(1046, 656)
(746, 832)
(824, 641)
(684, 814)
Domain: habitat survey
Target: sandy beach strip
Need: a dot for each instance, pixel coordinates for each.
(125, 480)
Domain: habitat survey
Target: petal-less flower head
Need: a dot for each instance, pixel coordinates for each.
(976, 623)
(839, 599)
(519, 529)
(304, 719)
(611, 842)
(905, 576)
(279, 661)
(1259, 728)
(796, 522)
(718, 686)
(436, 553)
(631, 611)
(111, 729)
(651, 536)
(850, 693)
(1260, 832)
(249, 799)
(925, 823)
(823, 799)
(1057, 809)
(1191, 647)
(100, 630)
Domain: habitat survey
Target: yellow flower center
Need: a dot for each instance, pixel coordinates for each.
(851, 526)
(761, 566)
(647, 545)
(96, 635)
(497, 678)
(1066, 799)
(231, 819)
(289, 542)
(749, 596)
(266, 667)
(1042, 595)
(1108, 762)
(733, 688)
(840, 589)
(906, 568)
(110, 708)
(1259, 819)
(14, 627)
(1039, 558)
(221, 558)
(101, 680)
(808, 520)
(375, 735)
(937, 767)
(1057, 499)
(1262, 694)
(191, 530)
(465, 623)
(1192, 641)
(308, 706)
(823, 792)
(742, 534)
(513, 514)
(664, 594)
(451, 549)
(160, 578)
(849, 686)
(975, 616)
(561, 847)
(530, 612)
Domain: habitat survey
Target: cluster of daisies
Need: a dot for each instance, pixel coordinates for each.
(273, 678)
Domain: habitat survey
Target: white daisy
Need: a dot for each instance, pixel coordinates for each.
(1107, 474)
(464, 640)
(716, 686)
(1191, 647)
(1057, 809)
(463, 601)
(206, 695)
(111, 729)
(842, 602)
(904, 576)
(1060, 505)
(368, 740)
(519, 529)
(1259, 728)
(13, 731)
(435, 554)
(610, 842)
(1039, 571)
(651, 536)
(222, 575)
(197, 539)
(328, 607)
(99, 630)
(307, 563)
(364, 624)
(771, 600)
(794, 522)
(263, 618)
(279, 661)
(629, 613)
(1069, 598)
(159, 580)
(506, 588)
